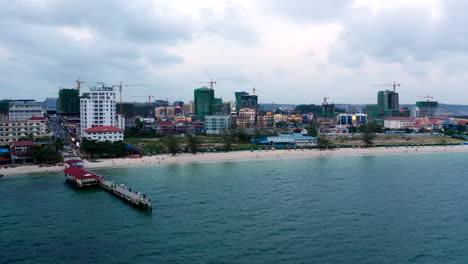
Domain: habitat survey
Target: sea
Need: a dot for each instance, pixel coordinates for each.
(399, 208)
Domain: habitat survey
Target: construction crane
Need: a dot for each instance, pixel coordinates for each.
(427, 97)
(211, 82)
(120, 86)
(149, 96)
(78, 84)
(395, 84)
(325, 100)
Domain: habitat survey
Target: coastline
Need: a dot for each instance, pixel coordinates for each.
(234, 156)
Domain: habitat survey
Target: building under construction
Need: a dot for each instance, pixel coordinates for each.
(388, 103)
(328, 109)
(427, 108)
(68, 102)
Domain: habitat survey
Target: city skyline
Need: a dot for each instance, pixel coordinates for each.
(287, 50)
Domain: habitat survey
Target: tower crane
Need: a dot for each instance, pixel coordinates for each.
(427, 97)
(78, 84)
(149, 96)
(211, 82)
(120, 86)
(395, 84)
(325, 100)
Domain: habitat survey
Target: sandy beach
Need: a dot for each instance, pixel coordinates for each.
(232, 156)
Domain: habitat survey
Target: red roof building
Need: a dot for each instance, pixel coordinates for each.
(38, 118)
(80, 173)
(21, 143)
(100, 129)
(81, 177)
(165, 127)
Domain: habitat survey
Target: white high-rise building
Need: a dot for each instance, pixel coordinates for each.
(98, 111)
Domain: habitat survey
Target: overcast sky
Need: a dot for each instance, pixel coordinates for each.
(294, 51)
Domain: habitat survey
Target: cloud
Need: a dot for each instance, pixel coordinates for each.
(232, 24)
(402, 35)
(305, 11)
(57, 41)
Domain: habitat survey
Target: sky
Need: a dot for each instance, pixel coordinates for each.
(295, 51)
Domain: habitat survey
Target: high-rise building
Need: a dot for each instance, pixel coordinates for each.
(427, 108)
(387, 102)
(217, 107)
(50, 105)
(178, 103)
(25, 109)
(4, 109)
(227, 107)
(328, 109)
(246, 100)
(68, 101)
(98, 111)
(128, 109)
(372, 111)
(161, 103)
(239, 99)
(204, 101)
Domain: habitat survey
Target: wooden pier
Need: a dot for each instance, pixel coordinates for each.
(137, 199)
(82, 178)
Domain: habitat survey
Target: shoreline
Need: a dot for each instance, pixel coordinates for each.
(234, 156)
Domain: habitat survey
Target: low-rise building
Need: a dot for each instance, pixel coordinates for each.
(165, 128)
(19, 151)
(399, 122)
(11, 131)
(25, 109)
(296, 139)
(104, 133)
(246, 118)
(351, 119)
(184, 127)
(216, 125)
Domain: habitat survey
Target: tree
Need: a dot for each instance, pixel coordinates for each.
(369, 133)
(450, 132)
(44, 154)
(227, 141)
(104, 149)
(58, 144)
(193, 143)
(242, 136)
(312, 130)
(323, 142)
(90, 147)
(281, 124)
(172, 145)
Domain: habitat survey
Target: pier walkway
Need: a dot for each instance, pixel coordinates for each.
(121, 191)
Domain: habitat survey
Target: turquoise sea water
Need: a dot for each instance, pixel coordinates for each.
(359, 209)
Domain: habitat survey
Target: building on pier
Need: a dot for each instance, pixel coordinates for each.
(81, 178)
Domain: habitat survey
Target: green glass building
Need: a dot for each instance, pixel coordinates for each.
(388, 103)
(427, 108)
(204, 102)
(68, 101)
(128, 109)
(328, 110)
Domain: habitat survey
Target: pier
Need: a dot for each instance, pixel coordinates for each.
(82, 178)
(137, 199)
